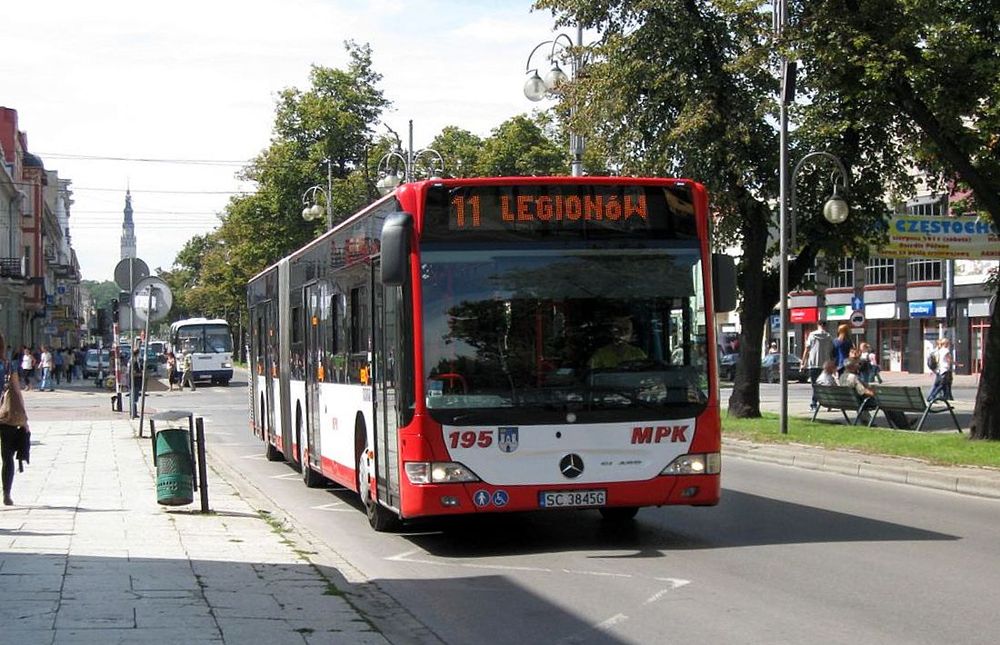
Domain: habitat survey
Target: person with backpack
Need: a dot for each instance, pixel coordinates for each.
(818, 347)
(941, 362)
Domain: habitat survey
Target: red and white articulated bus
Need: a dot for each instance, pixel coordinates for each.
(503, 344)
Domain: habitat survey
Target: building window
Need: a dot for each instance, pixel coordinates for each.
(880, 271)
(926, 207)
(924, 270)
(843, 277)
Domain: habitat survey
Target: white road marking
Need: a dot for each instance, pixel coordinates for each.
(330, 507)
(676, 583)
(253, 456)
(597, 573)
(285, 476)
(407, 556)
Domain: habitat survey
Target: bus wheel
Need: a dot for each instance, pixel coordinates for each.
(379, 517)
(310, 477)
(619, 514)
(272, 453)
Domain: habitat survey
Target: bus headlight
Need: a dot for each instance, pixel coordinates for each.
(227, 365)
(438, 472)
(697, 464)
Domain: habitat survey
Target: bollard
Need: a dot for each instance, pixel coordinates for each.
(174, 472)
(202, 468)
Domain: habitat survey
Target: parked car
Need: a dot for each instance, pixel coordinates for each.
(95, 361)
(727, 366)
(159, 347)
(770, 367)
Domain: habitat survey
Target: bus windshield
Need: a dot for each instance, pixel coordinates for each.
(203, 339)
(581, 333)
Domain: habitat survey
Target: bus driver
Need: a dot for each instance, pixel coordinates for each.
(619, 350)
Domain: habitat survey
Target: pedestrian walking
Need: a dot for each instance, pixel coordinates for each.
(842, 347)
(941, 363)
(70, 364)
(14, 435)
(59, 363)
(171, 370)
(187, 369)
(135, 380)
(46, 365)
(27, 367)
(819, 345)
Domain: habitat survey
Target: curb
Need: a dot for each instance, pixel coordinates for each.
(979, 482)
(393, 622)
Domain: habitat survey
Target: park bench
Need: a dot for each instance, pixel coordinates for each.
(843, 398)
(903, 399)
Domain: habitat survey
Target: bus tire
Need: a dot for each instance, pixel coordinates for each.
(310, 477)
(380, 518)
(619, 514)
(272, 453)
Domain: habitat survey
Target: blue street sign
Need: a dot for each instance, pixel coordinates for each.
(776, 322)
(923, 309)
(857, 304)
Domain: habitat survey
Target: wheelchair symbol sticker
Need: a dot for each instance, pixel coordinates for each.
(500, 498)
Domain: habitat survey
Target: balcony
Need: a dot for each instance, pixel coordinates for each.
(12, 268)
(64, 271)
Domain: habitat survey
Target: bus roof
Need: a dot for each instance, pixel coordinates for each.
(409, 193)
(197, 321)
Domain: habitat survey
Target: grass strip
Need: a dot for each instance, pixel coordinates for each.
(944, 448)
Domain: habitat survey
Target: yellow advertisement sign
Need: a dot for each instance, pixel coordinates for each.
(924, 236)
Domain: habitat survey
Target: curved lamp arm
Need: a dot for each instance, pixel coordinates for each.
(836, 195)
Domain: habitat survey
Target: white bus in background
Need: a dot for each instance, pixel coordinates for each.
(210, 343)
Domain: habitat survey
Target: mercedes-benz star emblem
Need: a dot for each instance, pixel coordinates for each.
(571, 466)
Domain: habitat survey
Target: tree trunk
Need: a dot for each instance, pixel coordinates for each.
(744, 402)
(986, 415)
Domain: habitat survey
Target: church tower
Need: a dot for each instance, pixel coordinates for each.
(128, 229)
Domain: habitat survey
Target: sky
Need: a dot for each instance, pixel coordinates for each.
(170, 100)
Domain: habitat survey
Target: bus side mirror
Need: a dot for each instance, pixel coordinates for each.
(723, 282)
(396, 234)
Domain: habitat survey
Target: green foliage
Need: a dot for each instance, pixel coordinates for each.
(101, 292)
(519, 146)
(682, 88)
(322, 136)
(460, 150)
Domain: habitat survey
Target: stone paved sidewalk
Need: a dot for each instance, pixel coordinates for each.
(88, 556)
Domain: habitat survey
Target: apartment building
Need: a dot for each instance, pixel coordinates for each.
(40, 300)
(907, 304)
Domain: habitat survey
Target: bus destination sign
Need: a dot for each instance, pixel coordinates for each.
(467, 211)
(560, 210)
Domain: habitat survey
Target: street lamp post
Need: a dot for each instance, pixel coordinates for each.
(536, 88)
(408, 161)
(311, 209)
(835, 210)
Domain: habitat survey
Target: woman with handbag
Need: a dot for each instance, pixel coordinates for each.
(13, 423)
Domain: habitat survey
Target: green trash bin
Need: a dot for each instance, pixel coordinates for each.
(174, 467)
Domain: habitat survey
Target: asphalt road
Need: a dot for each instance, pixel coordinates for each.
(790, 556)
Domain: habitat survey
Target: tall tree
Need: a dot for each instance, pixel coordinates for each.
(929, 70)
(460, 150)
(520, 146)
(688, 88)
(326, 128)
